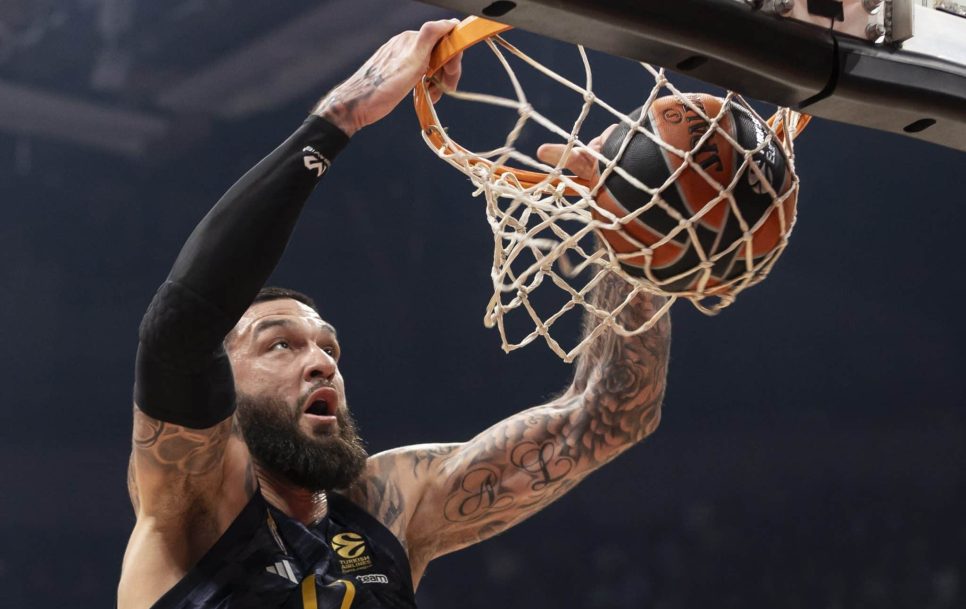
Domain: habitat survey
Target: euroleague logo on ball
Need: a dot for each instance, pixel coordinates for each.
(673, 115)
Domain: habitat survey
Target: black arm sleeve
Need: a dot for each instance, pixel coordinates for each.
(182, 374)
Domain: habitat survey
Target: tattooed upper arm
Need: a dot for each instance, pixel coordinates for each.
(172, 466)
(517, 467)
(393, 481)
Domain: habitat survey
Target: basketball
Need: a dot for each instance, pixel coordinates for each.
(672, 255)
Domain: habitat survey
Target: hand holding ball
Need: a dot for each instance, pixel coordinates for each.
(719, 196)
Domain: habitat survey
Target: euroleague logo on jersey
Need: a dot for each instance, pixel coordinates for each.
(352, 552)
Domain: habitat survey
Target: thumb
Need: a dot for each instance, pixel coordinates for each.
(582, 163)
(550, 153)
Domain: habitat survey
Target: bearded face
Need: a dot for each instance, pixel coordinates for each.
(325, 458)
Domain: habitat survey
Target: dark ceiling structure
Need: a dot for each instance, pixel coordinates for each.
(133, 77)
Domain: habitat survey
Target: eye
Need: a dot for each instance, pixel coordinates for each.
(279, 345)
(331, 350)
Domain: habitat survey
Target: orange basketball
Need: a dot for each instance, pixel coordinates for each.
(719, 227)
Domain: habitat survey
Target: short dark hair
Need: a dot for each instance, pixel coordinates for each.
(275, 293)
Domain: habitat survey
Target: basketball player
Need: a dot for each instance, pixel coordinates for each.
(250, 485)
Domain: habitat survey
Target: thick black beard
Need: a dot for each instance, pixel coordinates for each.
(270, 429)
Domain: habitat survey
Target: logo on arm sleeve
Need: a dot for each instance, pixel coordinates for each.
(352, 552)
(314, 161)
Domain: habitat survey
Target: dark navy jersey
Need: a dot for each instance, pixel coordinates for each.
(266, 560)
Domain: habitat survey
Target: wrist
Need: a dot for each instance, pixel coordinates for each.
(339, 113)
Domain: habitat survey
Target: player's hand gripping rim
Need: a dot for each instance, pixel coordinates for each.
(388, 76)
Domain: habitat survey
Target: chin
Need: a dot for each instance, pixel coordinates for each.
(319, 429)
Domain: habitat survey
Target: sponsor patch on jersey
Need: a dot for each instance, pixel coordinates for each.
(352, 552)
(374, 578)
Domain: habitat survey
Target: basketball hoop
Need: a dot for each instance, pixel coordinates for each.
(555, 230)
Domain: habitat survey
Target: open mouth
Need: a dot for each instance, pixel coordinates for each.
(322, 403)
(318, 408)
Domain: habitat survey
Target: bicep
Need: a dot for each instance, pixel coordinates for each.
(438, 498)
(172, 466)
(509, 472)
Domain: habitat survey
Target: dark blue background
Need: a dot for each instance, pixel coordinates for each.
(811, 451)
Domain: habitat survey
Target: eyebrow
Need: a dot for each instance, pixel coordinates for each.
(275, 323)
(269, 324)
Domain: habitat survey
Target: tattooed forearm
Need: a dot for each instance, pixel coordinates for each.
(623, 378)
(451, 496)
(345, 105)
(523, 464)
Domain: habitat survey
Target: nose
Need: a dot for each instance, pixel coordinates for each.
(319, 364)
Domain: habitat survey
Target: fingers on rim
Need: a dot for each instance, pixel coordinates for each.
(454, 65)
(435, 93)
(432, 31)
(450, 81)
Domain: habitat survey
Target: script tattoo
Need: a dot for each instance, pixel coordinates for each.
(541, 460)
(480, 494)
(526, 462)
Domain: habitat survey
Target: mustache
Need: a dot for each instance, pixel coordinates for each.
(303, 398)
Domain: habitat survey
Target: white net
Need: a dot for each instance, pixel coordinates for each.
(556, 234)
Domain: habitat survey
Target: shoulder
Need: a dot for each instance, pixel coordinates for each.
(394, 481)
(394, 485)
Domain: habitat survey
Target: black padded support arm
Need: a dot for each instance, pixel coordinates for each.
(182, 372)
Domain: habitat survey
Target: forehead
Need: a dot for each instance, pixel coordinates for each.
(263, 313)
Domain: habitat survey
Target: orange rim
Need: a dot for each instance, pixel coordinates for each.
(469, 32)
(474, 30)
(800, 124)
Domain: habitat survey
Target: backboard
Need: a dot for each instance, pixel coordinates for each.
(893, 65)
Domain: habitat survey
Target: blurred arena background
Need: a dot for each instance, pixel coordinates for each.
(811, 452)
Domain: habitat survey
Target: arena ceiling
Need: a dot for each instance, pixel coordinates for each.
(134, 77)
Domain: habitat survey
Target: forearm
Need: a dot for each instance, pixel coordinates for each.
(220, 269)
(622, 379)
(525, 462)
(234, 249)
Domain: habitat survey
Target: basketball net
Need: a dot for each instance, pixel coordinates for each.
(545, 220)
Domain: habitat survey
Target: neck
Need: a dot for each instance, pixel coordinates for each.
(306, 506)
